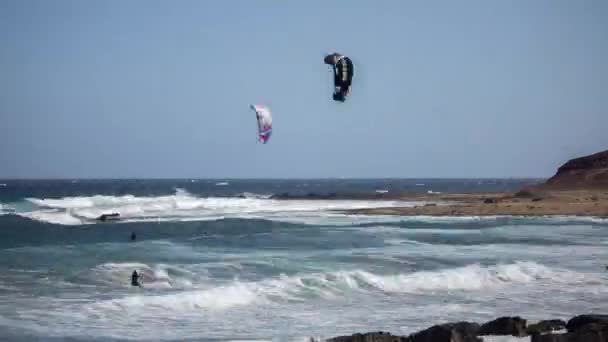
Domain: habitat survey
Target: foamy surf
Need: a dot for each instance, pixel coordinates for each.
(338, 284)
(157, 276)
(183, 206)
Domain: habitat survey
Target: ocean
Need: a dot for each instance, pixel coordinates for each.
(223, 261)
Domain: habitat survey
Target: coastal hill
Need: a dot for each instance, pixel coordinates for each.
(579, 187)
(588, 172)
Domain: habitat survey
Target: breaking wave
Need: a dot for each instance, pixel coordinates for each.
(183, 206)
(333, 285)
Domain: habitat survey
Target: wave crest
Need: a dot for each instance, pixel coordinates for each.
(183, 206)
(332, 285)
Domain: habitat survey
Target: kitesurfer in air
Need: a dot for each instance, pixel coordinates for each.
(135, 279)
(343, 75)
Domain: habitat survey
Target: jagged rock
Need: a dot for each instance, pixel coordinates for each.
(582, 328)
(593, 332)
(546, 326)
(582, 320)
(379, 336)
(514, 326)
(449, 332)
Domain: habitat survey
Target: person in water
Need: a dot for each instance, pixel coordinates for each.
(133, 236)
(135, 279)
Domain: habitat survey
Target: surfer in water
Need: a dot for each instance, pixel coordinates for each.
(135, 279)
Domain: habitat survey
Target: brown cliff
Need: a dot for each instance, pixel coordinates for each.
(588, 172)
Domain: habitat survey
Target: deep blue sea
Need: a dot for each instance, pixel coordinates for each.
(220, 260)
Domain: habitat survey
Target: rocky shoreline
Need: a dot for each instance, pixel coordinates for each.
(521, 203)
(582, 328)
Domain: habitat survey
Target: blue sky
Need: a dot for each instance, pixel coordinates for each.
(162, 88)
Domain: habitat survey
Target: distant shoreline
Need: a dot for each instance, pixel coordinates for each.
(522, 203)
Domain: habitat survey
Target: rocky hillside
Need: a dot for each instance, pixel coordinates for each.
(588, 172)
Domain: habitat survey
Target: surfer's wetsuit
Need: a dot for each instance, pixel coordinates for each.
(135, 279)
(343, 76)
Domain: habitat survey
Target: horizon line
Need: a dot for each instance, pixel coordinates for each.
(267, 178)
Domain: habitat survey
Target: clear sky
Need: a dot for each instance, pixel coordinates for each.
(162, 88)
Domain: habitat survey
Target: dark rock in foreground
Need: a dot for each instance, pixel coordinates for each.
(578, 322)
(369, 337)
(546, 326)
(449, 332)
(582, 328)
(514, 326)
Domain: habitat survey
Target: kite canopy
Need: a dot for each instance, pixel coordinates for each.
(264, 118)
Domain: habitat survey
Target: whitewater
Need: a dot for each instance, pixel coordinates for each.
(228, 262)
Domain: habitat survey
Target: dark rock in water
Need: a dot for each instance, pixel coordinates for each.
(369, 337)
(546, 326)
(109, 217)
(489, 201)
(580, 321)
(536, 199)
(449, 332)
(514, 326)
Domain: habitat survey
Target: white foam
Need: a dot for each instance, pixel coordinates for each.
(472, 277)
(6, 209)
(216, 298)
(156, 276)
(53, 216)
(183, 206)
(331, 285)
